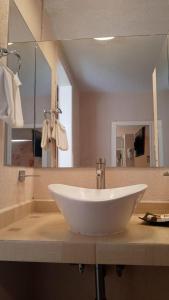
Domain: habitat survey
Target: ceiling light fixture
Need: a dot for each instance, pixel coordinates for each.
(20, 141)
(105, 38)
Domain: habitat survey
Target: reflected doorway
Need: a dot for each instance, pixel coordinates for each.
(132, 144)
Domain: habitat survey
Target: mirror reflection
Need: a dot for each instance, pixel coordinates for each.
(23, 142)
(83, 99)
(114, 81)
(133, 148)
(19, 136)
(105, 94)
(162, 88)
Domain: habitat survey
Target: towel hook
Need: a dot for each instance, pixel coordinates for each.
(5, 52)
(50, 112)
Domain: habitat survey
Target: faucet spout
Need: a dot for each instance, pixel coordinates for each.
(100, 173)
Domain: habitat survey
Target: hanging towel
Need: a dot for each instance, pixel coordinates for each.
(54, 128)
(6, 97)
(46, 134)
(10, 100)
(3, 102)
(19, 122)
(62, 137)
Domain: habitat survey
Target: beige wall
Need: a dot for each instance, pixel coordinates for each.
(98, 111)
(158, 185)
(31, 11)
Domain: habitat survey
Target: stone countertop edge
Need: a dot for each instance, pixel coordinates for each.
(46, 238)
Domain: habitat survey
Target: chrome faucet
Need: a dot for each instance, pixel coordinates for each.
(100, 173)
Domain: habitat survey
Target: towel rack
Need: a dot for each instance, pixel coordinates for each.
(5, 52)
(56, 111)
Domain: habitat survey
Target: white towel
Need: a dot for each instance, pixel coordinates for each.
(7, 111)
(3, 102)
(54, 128)
(62, 143)
(19, 122)
(10, 100)
(46, 134)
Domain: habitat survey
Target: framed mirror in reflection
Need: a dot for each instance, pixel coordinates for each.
(105, 93)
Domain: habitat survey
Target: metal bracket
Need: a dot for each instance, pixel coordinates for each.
(22, 175)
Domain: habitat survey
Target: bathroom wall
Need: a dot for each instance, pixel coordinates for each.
(75, 107)
(158, 185)
(12, 192)
(98, 111)
(31, 11)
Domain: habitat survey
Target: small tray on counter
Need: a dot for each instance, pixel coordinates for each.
(156, 219)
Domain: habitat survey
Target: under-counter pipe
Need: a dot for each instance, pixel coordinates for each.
(100, 282)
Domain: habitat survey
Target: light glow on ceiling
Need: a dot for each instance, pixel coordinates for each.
(108, 38)
(20, 141)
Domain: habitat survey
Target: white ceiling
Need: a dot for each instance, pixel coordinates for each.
(120, 65)
(123, 64)
(90, 18)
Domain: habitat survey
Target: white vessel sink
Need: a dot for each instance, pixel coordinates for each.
(97, 212)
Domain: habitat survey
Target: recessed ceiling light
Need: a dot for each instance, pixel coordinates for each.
(105, 38)
(9, 44)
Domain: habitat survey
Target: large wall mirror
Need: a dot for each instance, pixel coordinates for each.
(104, 102)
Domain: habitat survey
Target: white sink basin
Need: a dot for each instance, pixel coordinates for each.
(97, 212)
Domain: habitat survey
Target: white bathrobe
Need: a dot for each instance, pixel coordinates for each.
(18, 115)
(10, 100)
(6, 96)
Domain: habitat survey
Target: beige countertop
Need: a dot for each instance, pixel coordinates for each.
(46, 238)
